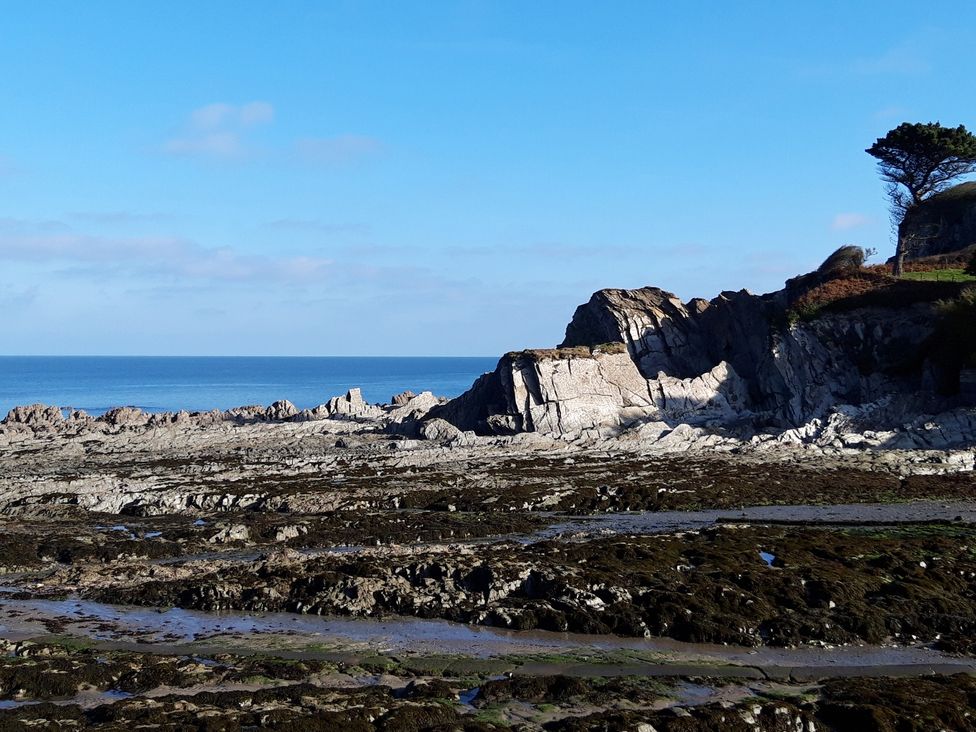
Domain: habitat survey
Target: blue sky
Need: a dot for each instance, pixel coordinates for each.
(435, 177)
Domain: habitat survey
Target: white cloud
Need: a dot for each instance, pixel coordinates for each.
(256, 113)
(158, 257)
(892, 112)
(336, 150)
(906, 59)
(219, 130)
(315, 226)
(211, 116)
(117, 217)
(216, 144)
(545, 250)
(217, 115)
(847, 221)
(12, 299)
(899, 60)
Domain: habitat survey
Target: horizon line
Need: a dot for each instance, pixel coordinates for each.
(150, 355)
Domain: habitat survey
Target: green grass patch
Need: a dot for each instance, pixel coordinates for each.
(939, 275)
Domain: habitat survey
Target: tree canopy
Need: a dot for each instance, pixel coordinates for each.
(918, 160)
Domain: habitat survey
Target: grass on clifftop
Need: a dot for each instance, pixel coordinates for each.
(939, 275)
(876, 287)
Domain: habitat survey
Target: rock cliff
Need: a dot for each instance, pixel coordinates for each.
(568, 391)
(637, 356)
(943, 225)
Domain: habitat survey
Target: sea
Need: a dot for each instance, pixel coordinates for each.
(168, 384)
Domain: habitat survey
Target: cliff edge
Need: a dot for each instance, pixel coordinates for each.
(739, 361)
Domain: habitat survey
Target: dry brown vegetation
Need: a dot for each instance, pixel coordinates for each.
(841, 288)
(541, 354)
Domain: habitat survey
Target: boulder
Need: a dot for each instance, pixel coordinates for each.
(440, 430)
(281, 410)
(402, 398)
(125, 417)
(415, 407)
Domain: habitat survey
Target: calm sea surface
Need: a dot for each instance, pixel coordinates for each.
(98, 383)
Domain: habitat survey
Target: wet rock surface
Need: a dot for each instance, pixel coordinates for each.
(58, 687)
(739, 585)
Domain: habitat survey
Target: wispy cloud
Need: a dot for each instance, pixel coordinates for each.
(891, 112)
(848, 221)
(219, 130)
(315, 226)
(904, 60)
(158, 257)
(117, 217)
(543, 250)
(12, 298)
(220, 115)
(226, 132)
(562, 251)
(337, 150)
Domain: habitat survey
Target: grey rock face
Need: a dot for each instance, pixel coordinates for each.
(579, 391)
(659, 330)
(726, 362)
(944, 224)
(790, 373)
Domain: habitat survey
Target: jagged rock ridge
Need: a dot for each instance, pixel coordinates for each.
(643, 355)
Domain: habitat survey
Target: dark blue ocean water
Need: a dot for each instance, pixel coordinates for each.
(157, 384)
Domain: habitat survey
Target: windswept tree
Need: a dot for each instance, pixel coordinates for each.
(846, 260)
(917, 161)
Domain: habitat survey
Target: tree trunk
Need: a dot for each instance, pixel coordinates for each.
(899, 263)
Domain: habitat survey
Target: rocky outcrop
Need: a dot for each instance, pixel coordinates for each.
(281, 410)
(43, 418)
(125, 417)
(35, 415)
(943, 225)
(402, 398)
(351, 405)
(580, 390)
(643, 356)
